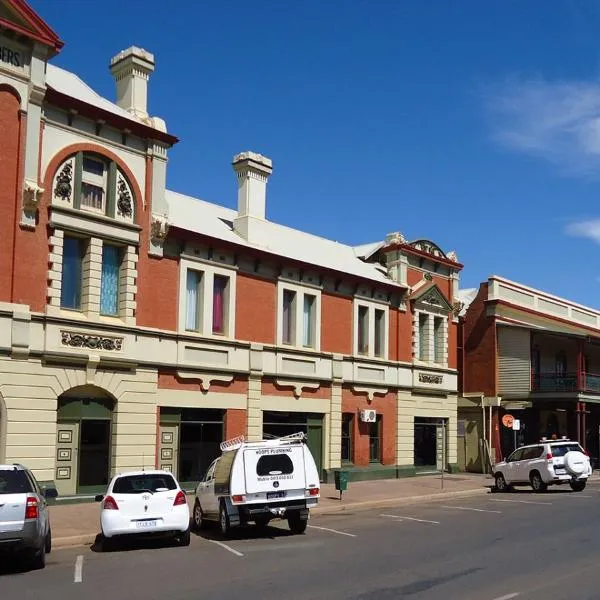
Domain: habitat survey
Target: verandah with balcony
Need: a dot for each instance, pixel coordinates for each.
(562, 363)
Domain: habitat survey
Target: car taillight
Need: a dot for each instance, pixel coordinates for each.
(312, 492)
(179, 499)
(549, 456)
(586, 452)
(238, 498)
(110, 503)
(31, 508)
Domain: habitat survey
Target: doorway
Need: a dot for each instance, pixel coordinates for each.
(94, 453)
(279, 424)
(430, 444)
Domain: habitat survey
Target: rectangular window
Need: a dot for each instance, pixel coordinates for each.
(289, 317)
(220, 301)
(375, 440)
(347, 422)
(71, 279)
(109, 285)
(363, 330)
(308, 324)
(93, 185)
(423, 337)
(379, 333)
(193, 300)
(438, 339)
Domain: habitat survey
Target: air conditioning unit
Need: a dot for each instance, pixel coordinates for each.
(368, 416)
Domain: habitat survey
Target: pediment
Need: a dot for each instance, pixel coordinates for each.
(431, 296)
(18, 16)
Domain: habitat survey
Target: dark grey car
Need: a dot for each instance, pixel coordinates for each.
(24, 520)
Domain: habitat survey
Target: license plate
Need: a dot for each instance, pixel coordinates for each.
(145, 524)
(560, 471)
(271, 495)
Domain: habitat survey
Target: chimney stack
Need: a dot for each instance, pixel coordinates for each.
(131, 69)
(253, 171)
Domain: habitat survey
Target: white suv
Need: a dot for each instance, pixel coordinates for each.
(551, 462)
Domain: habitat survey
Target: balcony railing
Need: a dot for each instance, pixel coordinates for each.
(565, 382)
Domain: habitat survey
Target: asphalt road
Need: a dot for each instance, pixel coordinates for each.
(493, 547)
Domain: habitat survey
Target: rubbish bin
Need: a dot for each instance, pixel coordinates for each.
(341, 481)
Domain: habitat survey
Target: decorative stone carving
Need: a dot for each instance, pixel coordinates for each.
(457, 307)
(93, 342)
(63, 188)
(124, 199)
(297, 386)
(205, 379)
(429, 248)
(370, 392)
(159, 230)
(430, 378)
(432, 298)
(452, 256)
(32, 195)
(394, 238)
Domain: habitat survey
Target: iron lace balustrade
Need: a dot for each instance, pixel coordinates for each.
(555, 382)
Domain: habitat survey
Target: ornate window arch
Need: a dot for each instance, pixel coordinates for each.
(92, 182)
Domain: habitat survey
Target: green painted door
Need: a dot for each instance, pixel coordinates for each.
(67, 455)
(315, 441)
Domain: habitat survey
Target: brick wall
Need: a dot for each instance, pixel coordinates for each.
(270, 388)
(10, 137)
(336, 317)
(236, 421)
(479, 354)
(168, 379)
(255, 311)
(385, 406)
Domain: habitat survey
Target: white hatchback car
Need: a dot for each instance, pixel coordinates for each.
(144, 503)
(551, 462)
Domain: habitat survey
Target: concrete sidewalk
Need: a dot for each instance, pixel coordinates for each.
(78, 524)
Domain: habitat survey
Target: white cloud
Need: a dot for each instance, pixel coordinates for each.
(587, 229)
(557, 121)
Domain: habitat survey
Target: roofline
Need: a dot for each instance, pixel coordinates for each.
(45, 34)
(57, 98)
(408, 248)
(299, 263)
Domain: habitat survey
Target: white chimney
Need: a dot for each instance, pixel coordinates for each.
(131, 69)
(253, 171)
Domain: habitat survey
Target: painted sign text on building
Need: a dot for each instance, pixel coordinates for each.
(10, 56)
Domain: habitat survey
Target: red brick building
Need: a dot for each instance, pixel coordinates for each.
(139, 326)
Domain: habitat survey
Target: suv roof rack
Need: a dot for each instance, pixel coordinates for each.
(563, 438)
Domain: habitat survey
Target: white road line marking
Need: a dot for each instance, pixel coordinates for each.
(78, 578)
(473, 509)
(583, 496)
(401, 518)
(232, 550)
(518, 501)
(332, 530)
(508, 596)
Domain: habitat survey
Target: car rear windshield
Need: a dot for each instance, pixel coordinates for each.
(562, 449)
(136, 484)
(14, 482)
(274, 464)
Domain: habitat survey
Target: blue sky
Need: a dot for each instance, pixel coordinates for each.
(474, 124)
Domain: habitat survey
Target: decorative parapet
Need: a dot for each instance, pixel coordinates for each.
(32, 196)
(159, 229)
(452, 256)
(93, 342)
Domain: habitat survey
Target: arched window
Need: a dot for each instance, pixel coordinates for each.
(93, 183)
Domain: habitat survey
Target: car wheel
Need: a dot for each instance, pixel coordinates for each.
(48, 544)
(106, 544)
(297, 525)
(184, 539)
(38, 560)
(537, 482)
(224, 520)
(501, 484)
(578, 486)
(198, 520)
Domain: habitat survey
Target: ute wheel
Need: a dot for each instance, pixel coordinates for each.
(38, 559)
(501, 484)
(537, 483)
(184, 539)
(198, 520)
(577, 486)
(297, 525)
(48, 543)
(224, 523)
(261, 522)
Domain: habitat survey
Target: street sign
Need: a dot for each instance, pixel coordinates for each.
(516, 424)
(507, 421)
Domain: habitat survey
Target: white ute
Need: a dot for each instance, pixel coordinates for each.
(259, 481)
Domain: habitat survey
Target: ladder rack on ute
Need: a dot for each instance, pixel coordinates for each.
(232, 444)
(289, 439)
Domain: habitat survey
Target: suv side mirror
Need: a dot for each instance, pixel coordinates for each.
(99, 498)
(50, 493)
